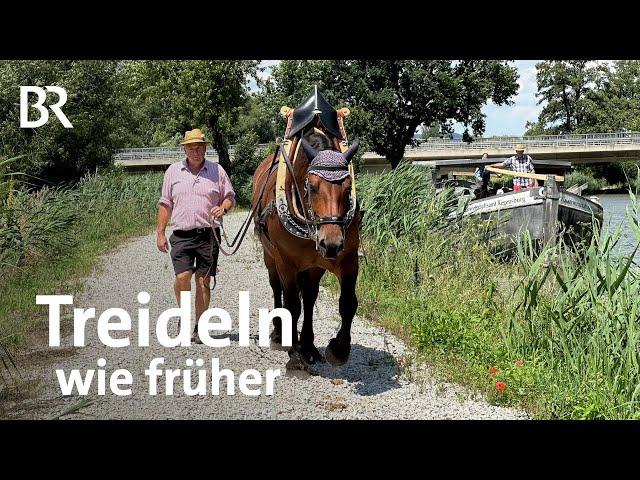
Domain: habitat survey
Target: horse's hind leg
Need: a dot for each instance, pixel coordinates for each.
(309, 283)
(276, 287)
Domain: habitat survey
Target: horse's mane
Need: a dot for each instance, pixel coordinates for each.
(318, 141)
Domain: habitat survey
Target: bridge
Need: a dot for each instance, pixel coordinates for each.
(566, 149)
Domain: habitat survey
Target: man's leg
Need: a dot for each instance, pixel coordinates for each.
(182, 283)
(206, 265)
(203, 294)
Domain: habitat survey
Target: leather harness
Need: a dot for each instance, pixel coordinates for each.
(302, 227)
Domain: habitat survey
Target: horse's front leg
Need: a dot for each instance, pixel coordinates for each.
(309, 283)
(292, 303)
(337, 352)
(276, 286)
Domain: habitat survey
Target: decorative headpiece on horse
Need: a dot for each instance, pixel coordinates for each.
(329, 164)
(315, 106)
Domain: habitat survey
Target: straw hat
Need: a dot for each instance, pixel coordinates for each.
(520, 147)
(194, 136)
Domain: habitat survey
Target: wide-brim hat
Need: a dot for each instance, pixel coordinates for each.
(194, 136)
(520, 147)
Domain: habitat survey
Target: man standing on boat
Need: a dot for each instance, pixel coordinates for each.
(482, 176)
(519, 163)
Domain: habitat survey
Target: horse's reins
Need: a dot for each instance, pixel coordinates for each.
(300, 198)
(243, 228)
(237, 241)
(309, 224)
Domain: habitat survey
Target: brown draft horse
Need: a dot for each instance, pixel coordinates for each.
(296, 265)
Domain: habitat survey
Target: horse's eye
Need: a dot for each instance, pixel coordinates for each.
(313, 188)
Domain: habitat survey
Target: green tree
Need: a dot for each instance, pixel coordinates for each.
(256, 117)
(615, 103)
(175, 96)
(430, 131)
(566, 88)
(590, 97)
(55, 153)
(389, 99)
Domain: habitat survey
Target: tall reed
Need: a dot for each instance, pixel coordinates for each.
(561, 327)
(53, 235)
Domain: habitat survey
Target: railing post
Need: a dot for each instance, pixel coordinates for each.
(550, 214)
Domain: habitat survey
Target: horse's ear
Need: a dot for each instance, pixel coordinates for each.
(309, 151)
(352, 149)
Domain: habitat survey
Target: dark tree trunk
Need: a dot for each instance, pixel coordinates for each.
(220, 144)
(395, 157)
(395, 152)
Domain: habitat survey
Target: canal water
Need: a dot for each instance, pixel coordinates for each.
(615, 213)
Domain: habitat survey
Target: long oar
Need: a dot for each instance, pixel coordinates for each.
(534, 176)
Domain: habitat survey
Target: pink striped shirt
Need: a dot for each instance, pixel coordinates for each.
(191, 196)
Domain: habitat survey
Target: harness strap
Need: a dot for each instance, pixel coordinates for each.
(245, 225)
(269, 209)
(298, 226)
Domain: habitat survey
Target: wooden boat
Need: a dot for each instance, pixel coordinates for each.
(544, 212)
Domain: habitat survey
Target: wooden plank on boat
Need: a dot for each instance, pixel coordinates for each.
(578, 189)
(534, 176)
(467, 174)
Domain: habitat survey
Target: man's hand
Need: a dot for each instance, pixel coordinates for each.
(161, 242)
(217, 212)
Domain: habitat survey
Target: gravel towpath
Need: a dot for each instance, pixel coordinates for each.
(370, 386)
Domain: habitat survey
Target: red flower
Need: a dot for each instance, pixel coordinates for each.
(500, 386)
(493, 370)
(519, 363)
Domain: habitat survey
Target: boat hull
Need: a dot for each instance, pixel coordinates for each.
(532, 210)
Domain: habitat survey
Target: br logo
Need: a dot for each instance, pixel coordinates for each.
(44, 113)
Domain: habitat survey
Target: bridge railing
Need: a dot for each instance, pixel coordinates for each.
(157, 153)
(591, 139)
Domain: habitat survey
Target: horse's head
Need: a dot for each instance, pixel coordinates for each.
(328, 194)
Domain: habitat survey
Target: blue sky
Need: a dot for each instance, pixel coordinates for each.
(501, 120)
(511, 120)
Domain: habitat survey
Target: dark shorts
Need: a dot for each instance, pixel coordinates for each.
(189, 247)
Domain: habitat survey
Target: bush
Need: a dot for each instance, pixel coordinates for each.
(579, 177)
(246, 158)
(51, 238)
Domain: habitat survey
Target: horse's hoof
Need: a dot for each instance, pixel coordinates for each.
(297, 367)
(337, 353)
(278, 346)
(311, 355)
(275, 341)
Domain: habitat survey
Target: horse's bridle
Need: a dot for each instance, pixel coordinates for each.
(344, 220)
(312, 223)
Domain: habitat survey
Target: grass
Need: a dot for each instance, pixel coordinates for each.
(50, 239)
(558, 330)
